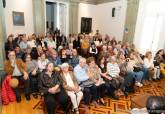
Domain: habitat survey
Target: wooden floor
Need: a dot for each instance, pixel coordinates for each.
(121, 106)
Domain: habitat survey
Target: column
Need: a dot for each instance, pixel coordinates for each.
(2, 35)
(73, 16)
(131, 19)
(39, 16)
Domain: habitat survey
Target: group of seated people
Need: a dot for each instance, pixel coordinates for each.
(78, 66)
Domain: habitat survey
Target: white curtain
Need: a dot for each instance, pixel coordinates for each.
(62, 18)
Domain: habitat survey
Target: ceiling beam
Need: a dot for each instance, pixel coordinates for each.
(105, 1)
(89, 1)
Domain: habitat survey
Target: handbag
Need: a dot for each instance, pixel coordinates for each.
(137, 69)
(87, 83)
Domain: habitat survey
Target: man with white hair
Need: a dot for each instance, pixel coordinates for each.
(71, 86)
(85, 83)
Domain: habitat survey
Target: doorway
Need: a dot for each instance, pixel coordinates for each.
(86, 25)
(51, 15)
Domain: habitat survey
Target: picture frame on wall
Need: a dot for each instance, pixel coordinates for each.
(18, 18)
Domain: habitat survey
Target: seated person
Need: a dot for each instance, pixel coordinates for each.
(32, 69)
(63, 56)
(109, 87)
(17, 68)
(156, 105)
(95, 74)
(85, 83)
(23, 44)
(75, 58)
(159, 61)
(18, 52)
(131, 68)
(50, 85)
(140, 63)
(71, 86)
(54, 58)
(42, 62)
(149, 63)
(93, 51)
(113, 70)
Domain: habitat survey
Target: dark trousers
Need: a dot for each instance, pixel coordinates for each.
(90, 91)
(100, 91)
(52, 99)
(110, 89)
(33, 83)
(26, 86)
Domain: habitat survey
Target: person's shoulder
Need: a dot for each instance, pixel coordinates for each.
(6, 62)
(77, 67)
(19, 60)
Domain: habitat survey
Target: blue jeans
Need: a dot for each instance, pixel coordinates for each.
(137, 75)
(145, 73)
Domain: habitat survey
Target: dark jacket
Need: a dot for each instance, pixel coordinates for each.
(46, 82)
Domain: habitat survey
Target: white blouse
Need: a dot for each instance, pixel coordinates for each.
(69, 80)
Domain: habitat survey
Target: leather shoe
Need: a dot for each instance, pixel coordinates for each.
(27, 97)
(18, 99)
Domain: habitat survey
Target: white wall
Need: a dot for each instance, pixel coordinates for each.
(19, 6)
(158, 43)
(88, 10)
(102, 17)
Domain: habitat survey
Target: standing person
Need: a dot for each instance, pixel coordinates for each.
(71, 86)
(85, 46)
(10, 44)
(50, 85)
(17, 68)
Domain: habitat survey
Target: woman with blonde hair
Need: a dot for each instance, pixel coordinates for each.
(149, 64)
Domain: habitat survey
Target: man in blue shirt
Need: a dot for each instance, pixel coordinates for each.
(88, 86)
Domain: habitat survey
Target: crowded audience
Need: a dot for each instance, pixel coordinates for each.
(90, 67)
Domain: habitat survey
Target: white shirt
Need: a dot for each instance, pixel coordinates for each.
(31, 43)
(69, 80)
(51, 44)
(42, 64)
(148, 63)
(113, 69)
